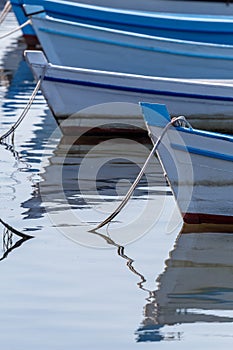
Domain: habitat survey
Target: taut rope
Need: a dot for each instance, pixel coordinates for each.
(138, 178)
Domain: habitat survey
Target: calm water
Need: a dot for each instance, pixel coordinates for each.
(137, 282)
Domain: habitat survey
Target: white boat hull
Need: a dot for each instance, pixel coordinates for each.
(198, 166)
(75, 95)
(84, 46)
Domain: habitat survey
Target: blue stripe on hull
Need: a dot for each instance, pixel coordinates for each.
(135, 46)
(202, 152)
(138, 90)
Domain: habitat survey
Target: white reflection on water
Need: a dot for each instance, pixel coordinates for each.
(196, 285)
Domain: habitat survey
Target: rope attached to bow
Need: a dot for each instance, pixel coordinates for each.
(138, 178)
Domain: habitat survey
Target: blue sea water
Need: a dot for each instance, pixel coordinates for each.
(137, 283)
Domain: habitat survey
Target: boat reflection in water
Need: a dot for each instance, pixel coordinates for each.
(87, 177)
(196, 286)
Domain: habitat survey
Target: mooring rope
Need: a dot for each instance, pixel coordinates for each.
(16, 29)
(138, 178)
(25, 111)
(5, 11)
(13, 230)
(8, 245)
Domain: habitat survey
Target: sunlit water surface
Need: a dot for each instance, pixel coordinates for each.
(130, 284)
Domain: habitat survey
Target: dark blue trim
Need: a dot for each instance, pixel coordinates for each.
(205, 133)
(177, 26)
(143, 24)
(201, 152)
(138, 90)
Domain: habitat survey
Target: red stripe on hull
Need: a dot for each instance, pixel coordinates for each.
(31, 40)
(198, 218)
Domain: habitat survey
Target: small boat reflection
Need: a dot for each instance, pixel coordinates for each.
(196, 286)
(151, 328)
(11, 239)
(89, 171)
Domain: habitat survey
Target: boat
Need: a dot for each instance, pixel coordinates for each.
(211, 7)
(217, 7)
(76, 95)
(86, 46)
(201, 28)
(198, 166)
